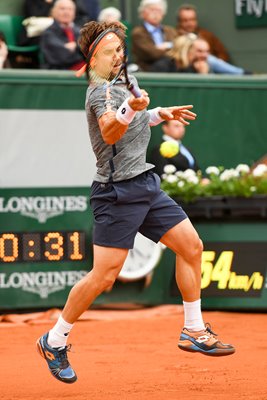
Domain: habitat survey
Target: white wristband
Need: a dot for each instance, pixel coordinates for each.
(154, 117)
(125, 114)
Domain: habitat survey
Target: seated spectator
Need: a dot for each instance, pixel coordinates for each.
(191, 54)
(109, 15)
(151, 40)
(86, 10)
(199, 56)
(188, 23)
(173, 130)
(177, 59)
(4, 61)
(59, 42)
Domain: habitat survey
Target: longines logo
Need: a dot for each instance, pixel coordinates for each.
(43, 207)
(41, 283)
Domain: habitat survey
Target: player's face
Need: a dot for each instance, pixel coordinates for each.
(174, 129)
(109, 59)
(188, 20)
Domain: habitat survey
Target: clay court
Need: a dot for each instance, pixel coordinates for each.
(121, 354)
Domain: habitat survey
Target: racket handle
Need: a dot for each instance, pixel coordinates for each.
(134, 90)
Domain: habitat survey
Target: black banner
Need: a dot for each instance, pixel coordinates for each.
(250, 13)
(232, 269)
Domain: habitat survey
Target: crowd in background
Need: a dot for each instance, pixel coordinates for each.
(54, 25)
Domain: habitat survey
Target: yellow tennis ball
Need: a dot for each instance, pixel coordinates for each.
(169, 149)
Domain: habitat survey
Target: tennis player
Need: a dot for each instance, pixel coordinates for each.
(126, 198)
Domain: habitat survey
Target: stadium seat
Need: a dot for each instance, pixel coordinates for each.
(11, 26)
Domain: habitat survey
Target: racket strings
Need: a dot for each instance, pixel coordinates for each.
(107, 63)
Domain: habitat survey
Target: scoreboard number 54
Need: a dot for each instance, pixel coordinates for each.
(219, 272)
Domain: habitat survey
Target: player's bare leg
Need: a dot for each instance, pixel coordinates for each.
(196, 336)
(52, 346)
(184, 241)
(107, 265)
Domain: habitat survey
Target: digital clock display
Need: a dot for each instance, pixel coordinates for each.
(42, 246)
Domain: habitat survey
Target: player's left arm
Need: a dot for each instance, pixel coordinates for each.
(180, 113)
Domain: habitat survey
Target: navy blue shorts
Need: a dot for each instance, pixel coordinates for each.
(121, 209)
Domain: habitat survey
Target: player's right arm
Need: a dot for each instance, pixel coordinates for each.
(113, 125)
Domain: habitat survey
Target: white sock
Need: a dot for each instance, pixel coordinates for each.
(193, 316)
(58, 335)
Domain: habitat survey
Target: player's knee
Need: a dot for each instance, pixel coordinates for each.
(105, 282)
(196, 249)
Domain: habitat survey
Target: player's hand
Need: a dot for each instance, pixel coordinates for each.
(139, 103)
(180, 113)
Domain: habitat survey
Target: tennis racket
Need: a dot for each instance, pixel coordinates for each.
(106, 62)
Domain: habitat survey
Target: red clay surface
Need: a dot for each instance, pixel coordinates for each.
(134, 355)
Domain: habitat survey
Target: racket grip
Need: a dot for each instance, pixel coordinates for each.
(135, 90)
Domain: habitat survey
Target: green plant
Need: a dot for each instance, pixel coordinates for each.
(189, 185)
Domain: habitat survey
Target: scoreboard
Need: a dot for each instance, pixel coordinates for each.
(42, 246)
(45, 245)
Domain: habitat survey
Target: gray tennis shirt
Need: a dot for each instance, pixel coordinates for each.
(127, 157)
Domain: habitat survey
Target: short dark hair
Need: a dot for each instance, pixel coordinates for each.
(186, 6)
(91, 30)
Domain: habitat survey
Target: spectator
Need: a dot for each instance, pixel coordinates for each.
(151, 40)
(86, 10)
(199, 56)
(188, 23)
(109, 15)
(178, 56)
(191, 54)
(4, 61)
(173, 130)
(59, 42)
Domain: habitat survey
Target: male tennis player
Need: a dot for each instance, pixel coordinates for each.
(126, 198)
